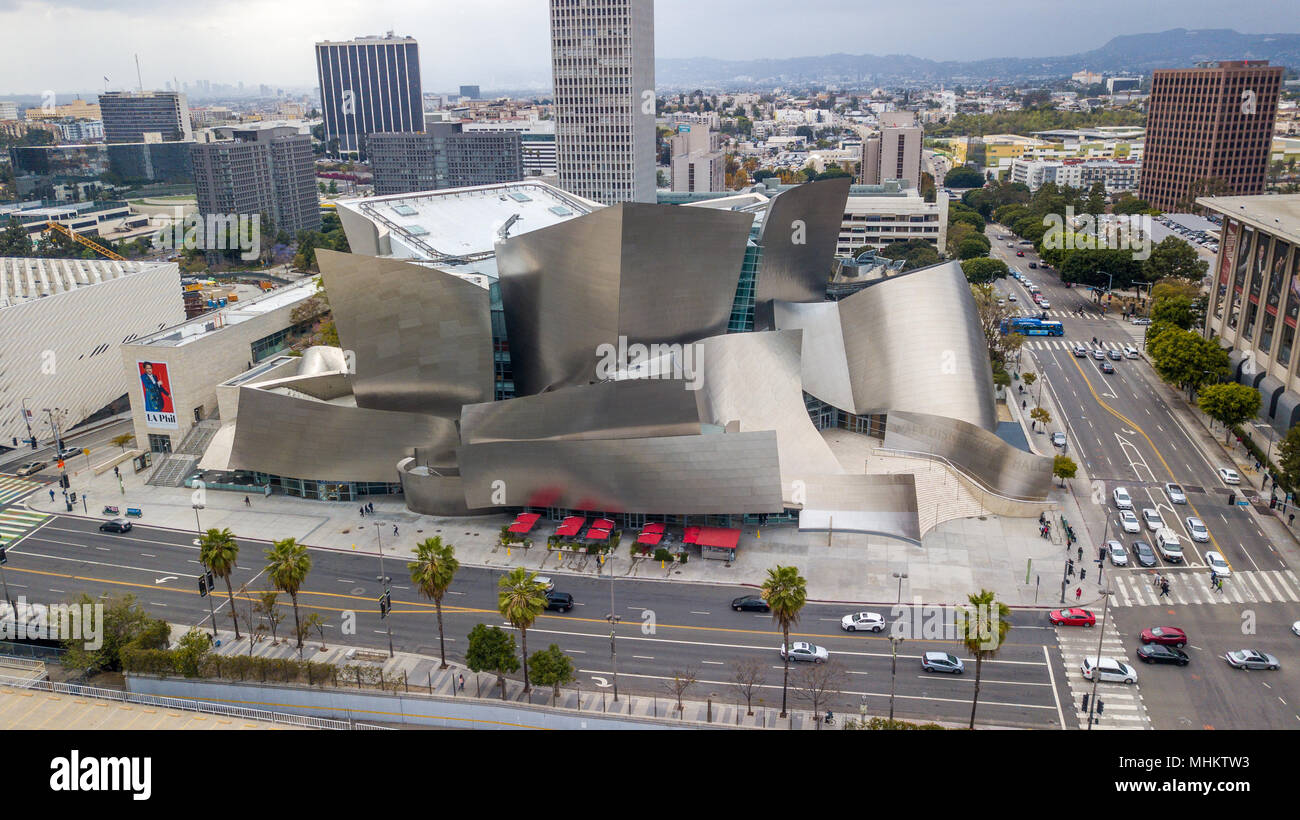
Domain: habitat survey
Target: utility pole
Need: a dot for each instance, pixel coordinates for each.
(894, 641)
(207, 573)
(383, 579)
(1096, 671)
(613, 619)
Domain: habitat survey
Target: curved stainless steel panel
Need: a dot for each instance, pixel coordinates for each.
(799, 234)
(633, 408)
(431, 493)
(884, 504)
(296, 436)
(422, 338)
(683, 475)
(733, 369)
(977, 452)
(911, 342)
(650, 273)
(322, 359)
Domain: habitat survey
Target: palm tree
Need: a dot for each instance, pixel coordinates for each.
(218, 552)
(287, 566)
(983, 630)
(521, 599)
(434, 566)
(785, 592)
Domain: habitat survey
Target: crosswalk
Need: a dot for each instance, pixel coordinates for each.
(1123, 702)
(13, 488)
(1192, 588)
(15, 522)
(1067, 344)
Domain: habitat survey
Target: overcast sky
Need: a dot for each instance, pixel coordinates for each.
(66, 45)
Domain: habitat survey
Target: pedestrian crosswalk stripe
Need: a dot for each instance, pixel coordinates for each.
(16, 523)
(12, 488)
(1244, 587)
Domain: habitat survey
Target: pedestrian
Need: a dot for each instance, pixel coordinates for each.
(247, 503)
(1078, 593)
(370, 508)
(1290, 521)
(1214, 578)
(1081, 553)
(1164, 589)
(394, 529)
(363, 512)
(461, 681)
(1023, 405)
(52, 498)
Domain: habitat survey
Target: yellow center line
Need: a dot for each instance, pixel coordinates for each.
(1152, 444)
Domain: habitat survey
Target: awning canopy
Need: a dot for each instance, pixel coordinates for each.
(524, 522)
(650, 538)
(722, 537)
(571, 525)
(603, 523)
(595, 534)
(655, 527)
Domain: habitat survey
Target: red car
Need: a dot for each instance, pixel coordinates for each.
(1072, 617)
(1167, 635)
(1020, 253)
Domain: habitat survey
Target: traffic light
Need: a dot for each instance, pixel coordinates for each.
(4, 559)
(1083, 573)
(1101, 706)
(1232, 499)
(212, 582)
(203, 586)
(385, 604)
(1069, 566)
(64, 482)
(1084, 708)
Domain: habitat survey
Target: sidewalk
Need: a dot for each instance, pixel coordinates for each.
(957, 558)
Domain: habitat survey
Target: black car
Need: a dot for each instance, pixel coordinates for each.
(560, 601)
(750, 603)
(116, 525)
(1146, 557)
(1159, 653)
(1033, 265)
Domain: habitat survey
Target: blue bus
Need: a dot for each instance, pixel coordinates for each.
(1027, 326)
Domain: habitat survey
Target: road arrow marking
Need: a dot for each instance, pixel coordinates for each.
(165, 580)
(601, 682)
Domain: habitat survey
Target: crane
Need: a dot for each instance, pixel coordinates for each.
(89, 243)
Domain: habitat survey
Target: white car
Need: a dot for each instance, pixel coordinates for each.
(1176, 494)
(1129, 521)
(1152, 519)
(545, 582)
(1130, 352)
(1229, 475)
(1196, 528)
(1122, 499)
(1011, 297)
(1141, 321)
(1108, 670)
(1215, 562)
(1295, 627)
(1044, 304)
(1118, 555)
(862, 622)
(804, 651)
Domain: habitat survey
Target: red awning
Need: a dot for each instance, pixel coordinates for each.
(656, 527)
(571, 525)
(518, 527)
(524, 522)
(650, 538)
(595, 534)
(723, 537)
(603, 523)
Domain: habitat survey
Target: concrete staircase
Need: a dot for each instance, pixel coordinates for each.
(200, 436)
(940, 495)
(173, 470)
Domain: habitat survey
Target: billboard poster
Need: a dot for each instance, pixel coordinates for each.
(1229, 254)
(158, 408)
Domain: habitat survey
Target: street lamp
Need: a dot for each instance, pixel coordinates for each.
(894, 641)
(198, 531)
(384, 580)
(1096, 671)
(900, 576)
(613, 619)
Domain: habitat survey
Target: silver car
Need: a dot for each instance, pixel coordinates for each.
(1129, 521)
(1152, 518)
(1251, 659)
(1176, 494)
(942, 662)
(1196, 528)
(804, 651)
(1118, 555)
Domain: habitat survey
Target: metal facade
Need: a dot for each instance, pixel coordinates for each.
(980, 454)
(799, 234)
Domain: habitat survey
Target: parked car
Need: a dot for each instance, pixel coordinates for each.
(1107, 367)
(1145, 556)
(1152, 518)
(1108, 670)
(1122, 499)
(942, 662)
(561, 601)
(1229, 475)
(31, 468)
(1167, 635)
(862, 622)
(1176, 494)
(1216, 562)
(1072, 617)
(1058, 439)
(804, 651)
(116, 525)
(1129, 522)
(1118, 556)
(1196, 528)
(750, 603)
(1159, 653)
(1251, 659)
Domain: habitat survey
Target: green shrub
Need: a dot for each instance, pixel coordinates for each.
(662, 554)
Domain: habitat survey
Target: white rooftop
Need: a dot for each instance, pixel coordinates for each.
(463, 222)
(23, 279)
(217, 320)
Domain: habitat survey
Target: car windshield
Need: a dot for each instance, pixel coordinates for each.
(1174, 488)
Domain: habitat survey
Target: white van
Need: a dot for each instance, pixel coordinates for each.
(1171, 549)
(1108, 670)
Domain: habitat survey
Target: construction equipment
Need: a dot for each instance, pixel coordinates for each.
(89, 243)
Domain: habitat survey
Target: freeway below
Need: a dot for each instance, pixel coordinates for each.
(665, 626)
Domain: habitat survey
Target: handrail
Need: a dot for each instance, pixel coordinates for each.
(204, 707)
(963, 473)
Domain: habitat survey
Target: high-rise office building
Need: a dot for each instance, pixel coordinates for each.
(269, 170)
(602, 61)
(537, 141)
(444, 157)
(145, 116)
(469, 92)
(1209, 130)
(368, 85)
(895, 153)
(697, 164)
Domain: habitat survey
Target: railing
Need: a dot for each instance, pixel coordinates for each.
(981, 484)
(22, 663)
(202, 707)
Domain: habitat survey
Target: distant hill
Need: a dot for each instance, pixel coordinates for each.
(1131, 53)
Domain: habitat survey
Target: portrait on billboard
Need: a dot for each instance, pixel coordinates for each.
(159, 410)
